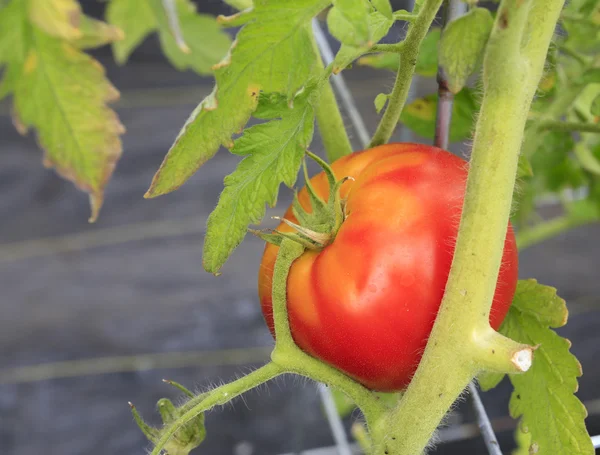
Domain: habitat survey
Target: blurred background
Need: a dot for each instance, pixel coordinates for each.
(94, 316)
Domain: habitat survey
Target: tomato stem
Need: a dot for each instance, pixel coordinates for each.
(408, 51)
(456, 349)
(329, 117)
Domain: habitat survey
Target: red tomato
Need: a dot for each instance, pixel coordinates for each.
(366, 303)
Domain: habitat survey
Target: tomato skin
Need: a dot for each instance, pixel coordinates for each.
(367, 302)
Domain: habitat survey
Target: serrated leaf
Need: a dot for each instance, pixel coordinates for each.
(462, 45)
(272, 154)
(544, 396)
(420, 115)
(62, 93)
(348, 22)
(97, 33)
(379, 26)
(60, 18)
(380, 101)
(273, 53)
(426, 61)
(207, 43)
(384, 7)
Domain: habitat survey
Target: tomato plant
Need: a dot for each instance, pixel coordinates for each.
(367, 301)
(394, 268)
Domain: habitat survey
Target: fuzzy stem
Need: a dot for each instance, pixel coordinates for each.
(453, 354)
(292, 359)
(329, 117)
(216, 397)
(542, 231)
(409, 51)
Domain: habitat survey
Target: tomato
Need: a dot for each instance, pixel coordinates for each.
(366, 303)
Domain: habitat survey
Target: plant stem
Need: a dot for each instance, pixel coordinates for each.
(454, 350)
(393, 47)
(216, 397)
(547, 229)
(408, 59)
(329, 117)
(557, 125)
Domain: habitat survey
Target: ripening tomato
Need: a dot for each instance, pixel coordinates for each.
(366, 303)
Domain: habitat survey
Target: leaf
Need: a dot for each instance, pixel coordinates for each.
(524, 168)
(420, 115)
(60, 18)
(63, 94)
(206, 41)
(13, 45)
(379, 26)
(587, 159)
(272, 154)
(523, 441)
(544, 396)
(96, 33)
(384, 7)
(426, 61)
(489, 380)
(239, 4)
(274, 53)
(380, 101)
(462, 46)
(348, 22)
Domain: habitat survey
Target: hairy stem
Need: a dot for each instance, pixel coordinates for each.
(556, 125)
(216, 397)
(453, 354)
(329, 118)
(409, 51)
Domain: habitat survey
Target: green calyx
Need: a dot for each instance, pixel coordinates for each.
(316, 228)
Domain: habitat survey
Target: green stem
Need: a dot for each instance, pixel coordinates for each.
(292, 359)
(557, 125)
(216, 397)
(394, 47)
(409, 51)
(329, 117)
(548, 229)
(461, 333)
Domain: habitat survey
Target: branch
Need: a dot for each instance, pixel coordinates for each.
(409, 51)
(510, 75)
(557, 125)
(542, 231)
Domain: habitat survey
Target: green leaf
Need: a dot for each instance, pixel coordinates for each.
(384, 7)
(60, 18)
(544, 396)
(63, 94)
(274, 53)
(380, 101)
(379, 26)
(488, 380)
(595, 107)
(272, 154)
(420, 115)
(587, 159)
(523, 441)
(426, 61)
(524, 168)
(14, 43)
(239, 4)
(348, 22)
(462, 46)
(206, 42)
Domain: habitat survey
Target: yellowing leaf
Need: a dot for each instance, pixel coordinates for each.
(62, 93)
(60, 18)
(207, 43)
(272, 53)
(272, 154)
(96, 33)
